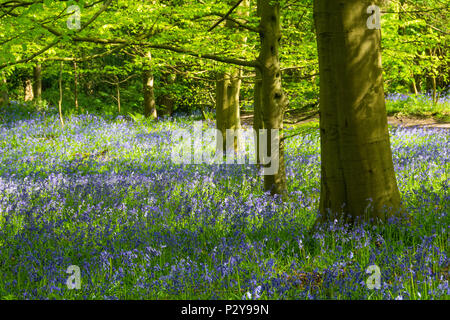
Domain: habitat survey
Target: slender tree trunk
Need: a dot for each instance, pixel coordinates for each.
(37, 82)
(418, 83)
(149, 94)
(4, 99)
(75, 72)
(273, 98)
(28, 90)
(222, 102)
(416, 92)
(433, 81)
(357, 170)
(257, 114)
(118, 95)
(61, 119)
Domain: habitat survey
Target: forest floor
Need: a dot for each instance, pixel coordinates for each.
(418, 122)
(105, 195)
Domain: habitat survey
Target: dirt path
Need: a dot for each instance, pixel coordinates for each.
(247, 118)
(418, 122)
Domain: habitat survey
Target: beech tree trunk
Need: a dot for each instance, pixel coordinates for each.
(61, 119)
(28, 90)
(37, 82)
(433, 81)
(149, 94)
(118, 95)
(273, 98)
(257, 114)
(75, 72)
(357, 172)
(4, 99)
(414, 86)
(228, 87)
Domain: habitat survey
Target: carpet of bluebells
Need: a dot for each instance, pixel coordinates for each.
(103, 194)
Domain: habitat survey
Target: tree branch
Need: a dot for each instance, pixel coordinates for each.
(55, 42)
(238, 62)
(225, 16)
(237, 22)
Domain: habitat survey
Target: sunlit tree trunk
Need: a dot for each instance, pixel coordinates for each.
(257, 115)
(28, 90)
(75, 71)
(149, 94)
(273, 98)
(118, 96)
(433, 81)
(357, 170)
(37, 82)
(227, 103)
(61, 119)
(414, 86)
(228, 88)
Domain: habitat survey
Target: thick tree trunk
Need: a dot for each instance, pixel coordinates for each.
(273, 98)
(28, 90)
(37, 82)
(358, 175)
(149, 94)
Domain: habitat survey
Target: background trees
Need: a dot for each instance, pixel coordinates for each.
(414, 43)
(415, 36)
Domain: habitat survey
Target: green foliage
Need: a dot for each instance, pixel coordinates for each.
(137, 117)
(415, 45)
(414, 41)
(420, 106)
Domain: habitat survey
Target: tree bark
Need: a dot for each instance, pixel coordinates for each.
(257, 115)
(28, 90)
(228, 88)
(273, 98)
(414, 86)
(227, 104)
(118, 95)
(61, 119)
(75, 72)
(149, 94)
(433, 81)
(357, 172)
(37, 82)
(4, 98)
